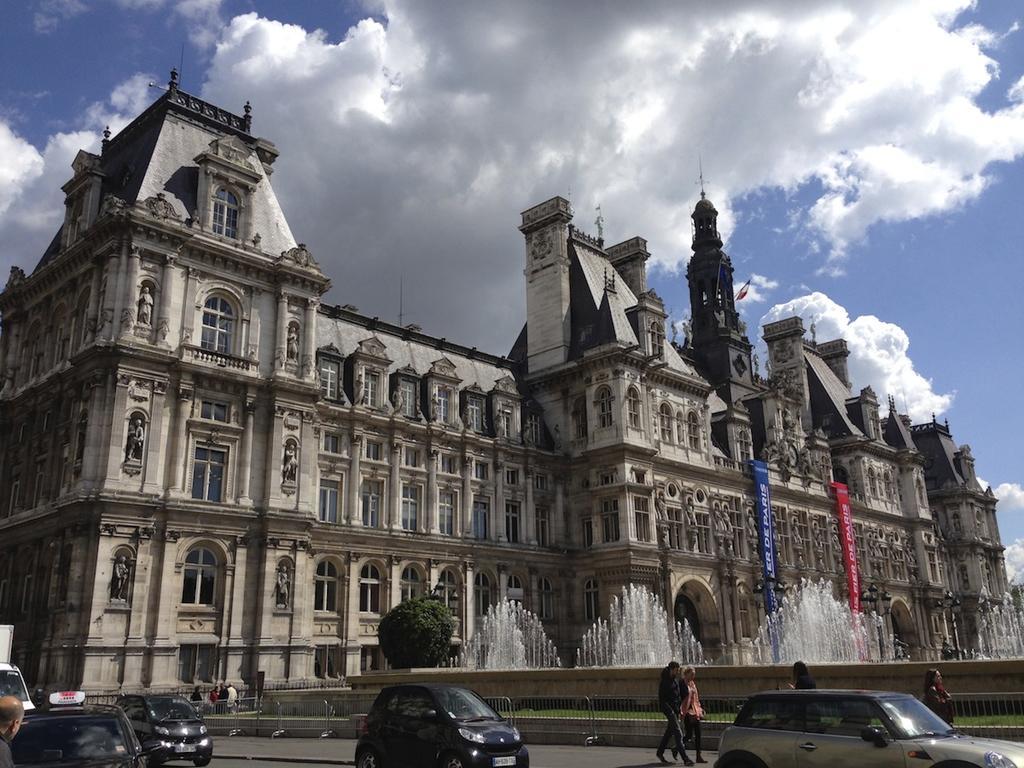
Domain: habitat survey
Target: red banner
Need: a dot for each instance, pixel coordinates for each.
(845, 515)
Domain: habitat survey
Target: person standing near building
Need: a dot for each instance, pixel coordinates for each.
(692, 711)
(936, 697)
(12, 711)
(802, 680)
(670, 700)
(232, 693)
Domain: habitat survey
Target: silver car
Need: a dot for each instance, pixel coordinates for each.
(852, 729)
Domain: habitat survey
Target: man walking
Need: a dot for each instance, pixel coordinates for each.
(670, 700)
(12, 711)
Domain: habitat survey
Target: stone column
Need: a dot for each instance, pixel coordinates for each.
(180, 448)
(560, 523)
(163, 324)
(244, 492)
(352, 516)
(91, 455)
(395, 582)
(118, 426)
(468, 605)
(155, 440)
(430, 502)
(467, 498)
(395, 492)
(352, 646)
(127, 313)
(280, 353)
(309, 341)
(498, 514)
(234, 619)
(530, 534)
(115, 294)
(275, 444)
(188, 311)
(93, 311)
(142, 584)
(302, 613)
(168, 592)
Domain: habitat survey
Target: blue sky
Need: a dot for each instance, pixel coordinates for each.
(866, 158)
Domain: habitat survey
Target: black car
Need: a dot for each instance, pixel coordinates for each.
(437, 726)
(77, 735)
(169, 727)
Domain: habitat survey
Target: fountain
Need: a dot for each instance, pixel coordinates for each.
(812, 625)
(510, 637)
(638, 633)
(1001, 629)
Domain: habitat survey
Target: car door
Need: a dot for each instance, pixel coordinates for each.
(832, 736)
(135, 710)
(767, 728)
(411, 743)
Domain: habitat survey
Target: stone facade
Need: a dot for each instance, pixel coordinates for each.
(207, 473)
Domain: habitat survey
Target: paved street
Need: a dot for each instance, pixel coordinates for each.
(241, 753)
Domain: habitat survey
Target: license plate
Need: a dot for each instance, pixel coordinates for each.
(184, 747)
(501, 761)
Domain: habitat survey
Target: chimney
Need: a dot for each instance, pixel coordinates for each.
(835, 353)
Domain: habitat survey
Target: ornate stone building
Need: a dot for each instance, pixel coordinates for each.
(207, 473)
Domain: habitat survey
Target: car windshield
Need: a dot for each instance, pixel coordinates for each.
(170, 708)
(69, 739)
(464, 705)
(11, 684)
(914, 719)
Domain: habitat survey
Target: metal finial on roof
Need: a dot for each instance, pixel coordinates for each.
(700, 168)
(599, 223)
(106, 139)
(247, 110)
(172, 84)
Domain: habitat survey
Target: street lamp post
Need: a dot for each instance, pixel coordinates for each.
(948, 602)
(879, 598)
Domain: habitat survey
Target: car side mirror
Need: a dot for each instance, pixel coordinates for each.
(874, 735)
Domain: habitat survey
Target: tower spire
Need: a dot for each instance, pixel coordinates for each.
(700, 169)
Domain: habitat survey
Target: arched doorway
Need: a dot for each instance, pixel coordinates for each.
(904, 631)
(686, 611)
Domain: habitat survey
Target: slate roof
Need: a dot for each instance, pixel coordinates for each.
(934, 441)
(896, 432)
(828, 397)
(156, 153)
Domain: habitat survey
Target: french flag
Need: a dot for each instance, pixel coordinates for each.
(743, 291)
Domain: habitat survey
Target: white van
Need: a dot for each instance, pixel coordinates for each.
(11, 681)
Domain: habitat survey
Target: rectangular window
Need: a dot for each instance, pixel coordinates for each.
(210, 409)
(511, 477)
(373, 490)
(532, 429)
(196, 663)
(481, 470)
(606, 478)
(372, 382)
(512, 521)
(327, 661)
(329, 501)
(543, 524)
(449, 465)
(446, 503)
(410, 398)
(330, 373)
(642, 514)
(540, 482)
(475, 414)
(26, 593)
(481, 513)
(208, 474)
(588, 533)
(505, 423)
(332, 442)
(412, 457)
(610, 519)
(443, 401)
(374, 450)
(410, 507)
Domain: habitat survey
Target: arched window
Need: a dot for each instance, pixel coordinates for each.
(547, 599)
(449, 590)
(412, 585)
(744, 446)
(693, 431)
(325, 595)
(657, 337)
(633, 408)
(890, 486)
(218, 325)
(665, 422)
(579, 419)
(603, 400)
(515, 589)
(225, 213)
(482, 594)
(591, 600)
(200, 577)
(369, 589)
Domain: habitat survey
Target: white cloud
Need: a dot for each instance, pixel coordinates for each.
(50, 13)
(1010, 495)
(879, 353)
(20, 162)
(203, 19)
(1014, 555)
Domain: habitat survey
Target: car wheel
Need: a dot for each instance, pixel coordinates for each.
(201, 762)
(451, 760)
(369, 758)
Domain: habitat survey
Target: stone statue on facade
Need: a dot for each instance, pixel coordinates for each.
(290, 464)
(799, 542)
(837, 548)
(359, 392)
(136, 440)
(144, 313)
(397, 400)
(292, 346)
(119, 581)
(282, 587)
(691, 526)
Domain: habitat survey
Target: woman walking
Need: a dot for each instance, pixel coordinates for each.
(936, 697)
(692, 711)
(670, 700)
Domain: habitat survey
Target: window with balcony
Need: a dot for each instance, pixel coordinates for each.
(325, 592)
(208, 472)
(329, 492)
(218, 325)
(373, 491)
(446, 504)
(199, 577)
(225, 213)
(410, 507)
(214, 411)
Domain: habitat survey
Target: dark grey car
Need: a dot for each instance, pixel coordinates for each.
(169, 728)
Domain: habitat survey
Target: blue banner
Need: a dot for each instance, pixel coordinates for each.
(765, 533)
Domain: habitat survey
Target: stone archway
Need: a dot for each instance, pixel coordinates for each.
(695, 603)
(904, 630)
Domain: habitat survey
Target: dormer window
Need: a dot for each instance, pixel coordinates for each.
(218, 325)
(475, 414)
(225, 213)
